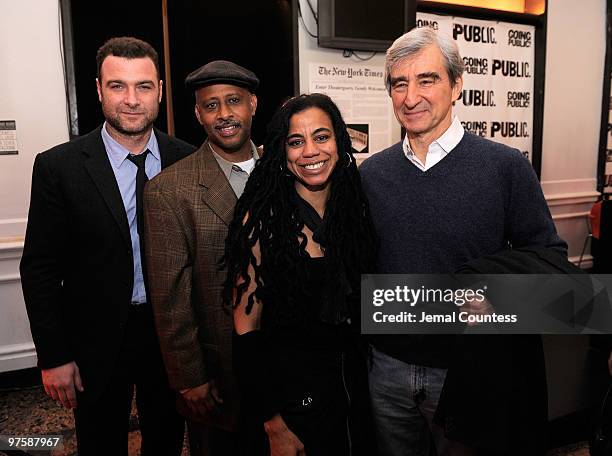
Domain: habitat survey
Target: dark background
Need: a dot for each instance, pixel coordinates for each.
(255, 34)
(91, 27)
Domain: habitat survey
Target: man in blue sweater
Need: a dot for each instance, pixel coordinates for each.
(439, 198)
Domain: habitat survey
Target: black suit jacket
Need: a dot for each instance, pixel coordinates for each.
(77, 265)
(494, 396)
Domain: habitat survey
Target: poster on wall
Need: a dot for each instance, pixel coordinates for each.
(497, 97)
(8, 137)
(608, 169)
(359, 91)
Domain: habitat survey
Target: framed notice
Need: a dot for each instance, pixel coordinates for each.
(8, 137)
(359, 91)
(607, 150)
(498, 84)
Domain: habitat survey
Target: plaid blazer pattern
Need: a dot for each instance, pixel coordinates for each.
(188, 208)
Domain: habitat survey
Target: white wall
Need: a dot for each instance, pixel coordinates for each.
(32, 94)
(575, 56)
(576, 47)
(575, 53)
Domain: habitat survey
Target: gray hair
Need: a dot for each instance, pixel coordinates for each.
(415, 41)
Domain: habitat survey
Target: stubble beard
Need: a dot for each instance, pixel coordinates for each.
(136, 130)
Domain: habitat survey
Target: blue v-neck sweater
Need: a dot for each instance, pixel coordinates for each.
(482, 197)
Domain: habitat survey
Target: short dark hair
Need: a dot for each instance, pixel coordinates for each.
(129, 48)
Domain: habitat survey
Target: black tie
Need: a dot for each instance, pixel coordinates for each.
(141, 179)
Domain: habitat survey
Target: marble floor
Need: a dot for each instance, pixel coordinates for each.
(26, 410)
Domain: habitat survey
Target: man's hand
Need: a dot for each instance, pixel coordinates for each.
(283, 442)
(60, 383)
(475, 307)
(202, 400)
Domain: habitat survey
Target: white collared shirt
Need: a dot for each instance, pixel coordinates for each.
(125, 175)
(438, 149)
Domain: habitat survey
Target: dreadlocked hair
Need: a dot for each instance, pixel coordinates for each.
(266, 214)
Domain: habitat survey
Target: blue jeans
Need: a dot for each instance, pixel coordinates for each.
(404, 400)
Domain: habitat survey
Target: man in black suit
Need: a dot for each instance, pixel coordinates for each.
(82, 273)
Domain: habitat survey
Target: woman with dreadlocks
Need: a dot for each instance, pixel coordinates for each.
(300, 238)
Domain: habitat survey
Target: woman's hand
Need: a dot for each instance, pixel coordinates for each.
(283, 442)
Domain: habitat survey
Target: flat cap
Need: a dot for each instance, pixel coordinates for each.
(222, 72)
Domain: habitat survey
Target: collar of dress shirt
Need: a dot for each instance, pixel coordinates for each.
(118, 154)
(447, 142)
(226, 166)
